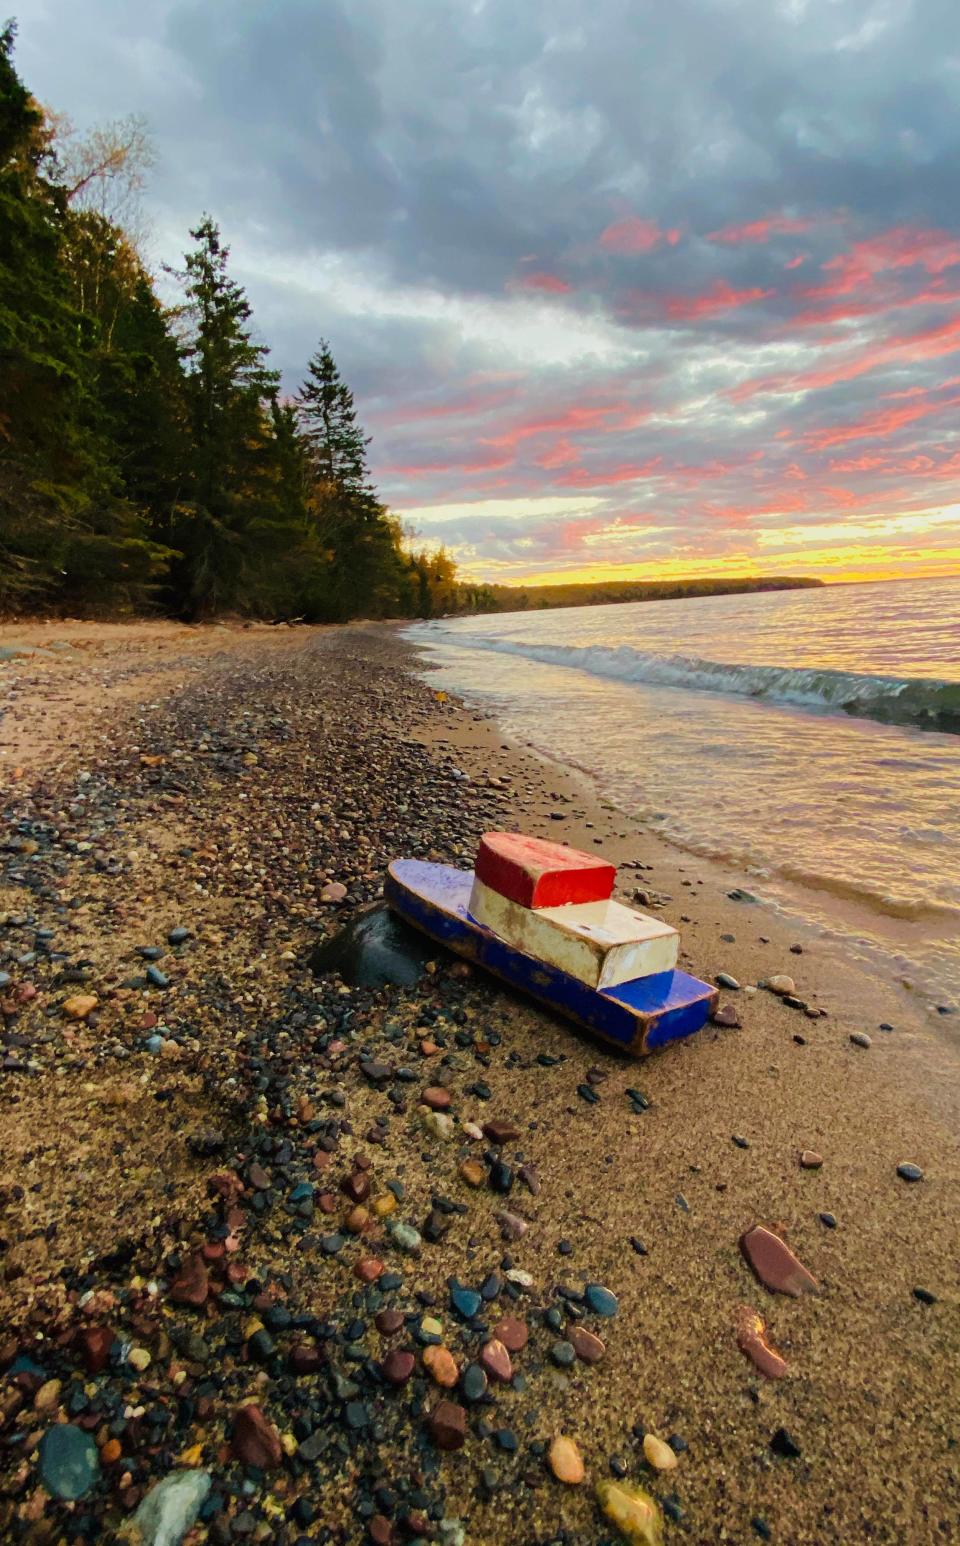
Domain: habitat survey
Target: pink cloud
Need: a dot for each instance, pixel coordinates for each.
(929, 344)
(874, 426)
(760, 230)
(581, 477)
(899, 248)
(607, 419)
(561, 454)
(633, 235)
(720, 297)
(549, 284)
(795, 262)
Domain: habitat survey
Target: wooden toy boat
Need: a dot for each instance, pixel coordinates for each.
(562, 953)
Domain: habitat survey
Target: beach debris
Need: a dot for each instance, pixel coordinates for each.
(752, 1340)
(775, 1264)
(810, 1159)
(780, 984)
(69, 1463)
(168, 1511)
(566, 1461)
(633, 1511)
(658, 1454)
(907, 1171)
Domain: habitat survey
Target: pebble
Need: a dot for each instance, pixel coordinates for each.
(563, 1355)
(472, 1172)
(727, 1016)
(473, 1383)
(724, 980)
(907, 1171)
(860, 1039)
(439, 1124)
(810, 1160)
(600, 1300)
(170, 1509)
(566, 1461)
(405, 1237)
(828, 1220)
(512, 1333)
(633, 1511)
(740, 1141)
(588, 1347)
(69, 1463)
(752, 1340)
(441, 1366)
(500, 1132)
(178, 936)
(254, 1440)
(79, 1005)
(495, 1361)
(775, 1264)
(780, 984)
(437, 1098)
(447, 1425)
(398, 1366)
(466, 1301)
(924, 1296)
(388, 1322)
(139, 1359)
(658, 1454)
(501, 1177)
(785, 1445)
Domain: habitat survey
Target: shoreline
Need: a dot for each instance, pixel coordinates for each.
(284, 761)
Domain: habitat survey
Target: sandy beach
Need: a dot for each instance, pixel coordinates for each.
(182, 1124)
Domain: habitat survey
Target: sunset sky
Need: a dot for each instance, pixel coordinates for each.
(624, 288)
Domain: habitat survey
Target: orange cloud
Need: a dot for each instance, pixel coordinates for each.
(607, 419)
(873, 426)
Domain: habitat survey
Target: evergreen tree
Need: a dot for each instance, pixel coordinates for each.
(230, 532)
(328, 420)
(66, 531)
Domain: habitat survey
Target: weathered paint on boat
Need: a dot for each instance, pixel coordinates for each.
(638, 1017)
(599, 943)
(537, 873)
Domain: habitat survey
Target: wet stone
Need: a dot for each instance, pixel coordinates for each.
(501, 1177)
(254, 1440)
(907, 1171)
(828, 1220)
(500, 1132)
(373, 950)
(566, 1461)
(752, 1340)
(563, 1355)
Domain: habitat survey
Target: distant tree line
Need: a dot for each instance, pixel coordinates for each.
(147, 457)
(512, 598)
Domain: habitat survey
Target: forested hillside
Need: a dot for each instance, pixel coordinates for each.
(147, 457)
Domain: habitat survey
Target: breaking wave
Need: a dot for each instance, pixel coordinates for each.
(925, 703)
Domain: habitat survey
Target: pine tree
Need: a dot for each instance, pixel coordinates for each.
(67, 534)
(328, 420)
(227, 534)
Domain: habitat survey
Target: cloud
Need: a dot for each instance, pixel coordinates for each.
(613, 284)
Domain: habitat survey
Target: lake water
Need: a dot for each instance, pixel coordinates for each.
(810, 739)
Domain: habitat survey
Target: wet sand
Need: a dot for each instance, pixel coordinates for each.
(233, 775)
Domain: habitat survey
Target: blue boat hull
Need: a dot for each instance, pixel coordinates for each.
(638, 1017)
